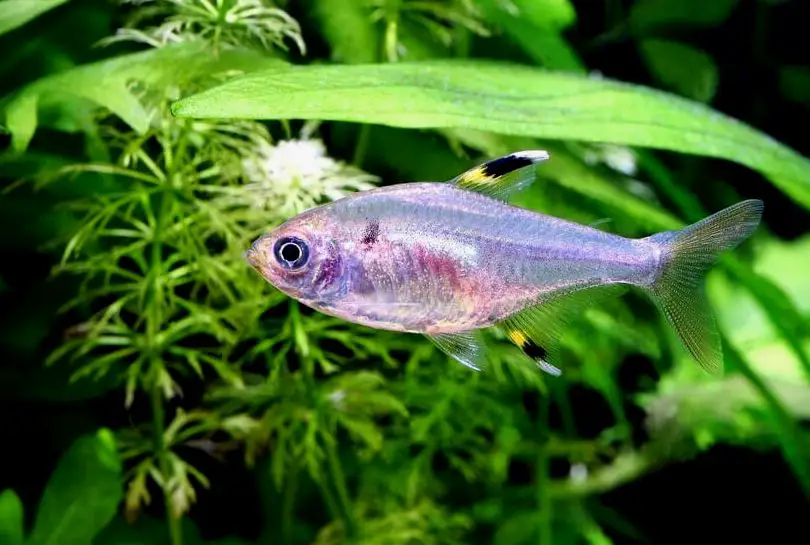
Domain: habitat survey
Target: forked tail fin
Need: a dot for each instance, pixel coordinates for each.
(686, 257)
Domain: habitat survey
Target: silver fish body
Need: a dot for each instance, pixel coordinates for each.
(450, 259)
(433, 258)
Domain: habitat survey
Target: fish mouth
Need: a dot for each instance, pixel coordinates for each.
(252, 257)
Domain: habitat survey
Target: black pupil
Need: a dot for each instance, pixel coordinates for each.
(290, 252)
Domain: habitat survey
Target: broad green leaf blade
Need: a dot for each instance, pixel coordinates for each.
(106, 83)
(684, 69)
(11, 518)
(82, 495)
(15, 13)
(506, 99)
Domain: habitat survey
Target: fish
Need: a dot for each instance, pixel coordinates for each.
(455, 260)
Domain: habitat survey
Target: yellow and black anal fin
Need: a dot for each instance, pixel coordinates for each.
(501, 177)
(538, 330)
(531, 349)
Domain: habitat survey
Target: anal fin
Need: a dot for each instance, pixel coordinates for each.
(530, 348)
(537, 330)
(468, 348)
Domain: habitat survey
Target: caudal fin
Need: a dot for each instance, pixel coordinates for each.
(686, 257)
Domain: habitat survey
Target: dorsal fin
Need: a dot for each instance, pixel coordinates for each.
(501, 177)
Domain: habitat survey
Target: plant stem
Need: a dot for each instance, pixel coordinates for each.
(154, 320)
(361, 147)
(339, 483)
(335, 481)
(288, 506)
(329, 498)
(158, 416)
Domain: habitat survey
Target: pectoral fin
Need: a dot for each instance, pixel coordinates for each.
(468, 348)
(503, 176)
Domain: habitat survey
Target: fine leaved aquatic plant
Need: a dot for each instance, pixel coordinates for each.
(196, 145)
(158, 252)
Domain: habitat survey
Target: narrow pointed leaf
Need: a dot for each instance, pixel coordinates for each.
(346, 25)
(682, 68)
(15, 13)
(11, 518)
(506, 99)
(536, 27)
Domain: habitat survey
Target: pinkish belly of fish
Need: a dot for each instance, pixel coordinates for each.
(436, 305)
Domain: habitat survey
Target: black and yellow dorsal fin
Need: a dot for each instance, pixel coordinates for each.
(501, 177)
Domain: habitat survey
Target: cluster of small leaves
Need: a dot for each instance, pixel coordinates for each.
(157, 248)
(222, 23)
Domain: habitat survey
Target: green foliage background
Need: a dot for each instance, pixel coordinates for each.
(154, 390)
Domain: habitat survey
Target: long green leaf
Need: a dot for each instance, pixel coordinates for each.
(15, 13)
(680, 67)
(506, 99)
(82, 495)
(11, 518)
(536, 28)
(107, 83)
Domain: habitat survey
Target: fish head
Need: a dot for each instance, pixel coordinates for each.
(302, 258)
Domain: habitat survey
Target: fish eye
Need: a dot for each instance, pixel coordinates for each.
(291, 252)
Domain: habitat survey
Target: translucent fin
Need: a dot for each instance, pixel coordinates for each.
(530, 348)
(501, 177)
(537, 330)
(686, 257)
(600, 222)
(468, 348)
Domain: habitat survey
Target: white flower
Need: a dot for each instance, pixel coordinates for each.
(619, 158)
(295, 175)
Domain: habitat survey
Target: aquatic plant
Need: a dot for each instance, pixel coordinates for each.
(147, 168)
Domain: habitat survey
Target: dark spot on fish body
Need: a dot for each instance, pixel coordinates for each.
(371, 233)
(504, 165)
